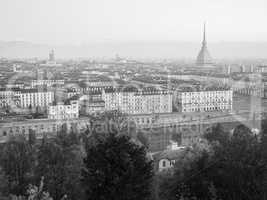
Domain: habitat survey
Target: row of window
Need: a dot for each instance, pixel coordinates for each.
(205, 109)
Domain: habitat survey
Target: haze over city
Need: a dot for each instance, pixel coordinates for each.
(166, 29)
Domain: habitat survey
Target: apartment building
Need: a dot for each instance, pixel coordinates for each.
(210, 99)
(135, 101)
(36, 98)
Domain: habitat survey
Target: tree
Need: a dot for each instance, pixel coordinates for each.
(103, 124)
(235, 169)
(242, 131)
(59, 161)
(37, 193)
(216, 134)
(17, 164)
(110, 122)
(117, 169)
(164, 183)
(143, 139)
(32, 137)
(3, 184)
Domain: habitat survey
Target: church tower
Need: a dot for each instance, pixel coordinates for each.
(204, 57)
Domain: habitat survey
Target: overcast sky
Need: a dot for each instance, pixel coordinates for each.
(84, 21)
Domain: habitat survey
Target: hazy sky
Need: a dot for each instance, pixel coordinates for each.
(84, 21)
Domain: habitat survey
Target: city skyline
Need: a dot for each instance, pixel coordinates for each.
(136, 50)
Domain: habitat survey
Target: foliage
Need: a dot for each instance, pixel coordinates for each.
(143, 139)
(117, 169)
(3, 184)
(103, 124)
(110, 122)
(216, 134)
(32, 137)
(236, 168)
(17, 163)
(59, 161)
(165, 184)
(37, 193)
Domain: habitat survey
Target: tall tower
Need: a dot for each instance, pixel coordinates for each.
(52, 55)
(204, 57)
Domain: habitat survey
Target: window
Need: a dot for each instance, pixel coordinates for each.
(164, 163)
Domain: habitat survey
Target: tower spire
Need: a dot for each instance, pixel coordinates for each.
(204, 35)
(204, 56)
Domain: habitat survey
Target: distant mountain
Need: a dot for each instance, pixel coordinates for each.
(20, 49)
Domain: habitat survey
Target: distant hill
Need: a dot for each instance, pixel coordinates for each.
(20, 49)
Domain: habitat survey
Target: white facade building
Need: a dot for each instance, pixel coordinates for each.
(132, 101)
(35, 98)
(67, 110)
(204, 101)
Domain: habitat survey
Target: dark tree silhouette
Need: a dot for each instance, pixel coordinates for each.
(17, 163)
(59, 161)
(117, 169)
(235, 169)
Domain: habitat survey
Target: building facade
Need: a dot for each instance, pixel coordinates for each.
(64, 110)
(204, 101)
(132, 101)
(89, 107)
(165, 160)
(35, 98)
(9, 97)
(49, 127)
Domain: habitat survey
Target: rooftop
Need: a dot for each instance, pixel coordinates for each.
(138, 90)
(34, 90)
(206, 89)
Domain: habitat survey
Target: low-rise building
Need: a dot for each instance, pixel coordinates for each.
(41, 127)
(165, 160)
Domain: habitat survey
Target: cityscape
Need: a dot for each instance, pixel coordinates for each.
(127, 127)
